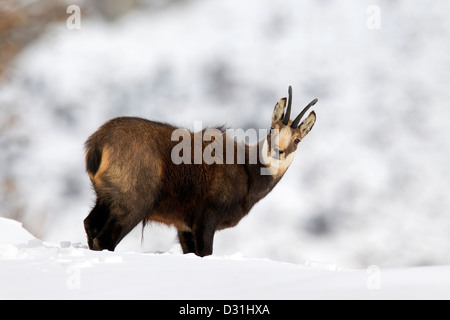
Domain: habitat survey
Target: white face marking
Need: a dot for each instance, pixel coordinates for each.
(284, 139)
(276, 167)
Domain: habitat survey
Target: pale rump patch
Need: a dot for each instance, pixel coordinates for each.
(120, 176)
(104, 164)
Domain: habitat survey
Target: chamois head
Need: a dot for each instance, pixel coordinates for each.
(286, 134)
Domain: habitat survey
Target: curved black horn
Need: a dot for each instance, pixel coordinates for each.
(287, 116)
(299, 117)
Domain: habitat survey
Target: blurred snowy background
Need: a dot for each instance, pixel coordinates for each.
(369, 185)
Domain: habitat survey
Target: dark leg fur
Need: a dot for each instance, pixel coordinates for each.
(204, 231)
(109, 237)
(95, 222)
(187, 241)
(204, 242)
(120, 222)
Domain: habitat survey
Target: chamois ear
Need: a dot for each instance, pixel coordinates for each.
(307, 124)
(278, 111)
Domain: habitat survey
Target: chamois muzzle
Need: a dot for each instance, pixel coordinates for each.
(300, 116)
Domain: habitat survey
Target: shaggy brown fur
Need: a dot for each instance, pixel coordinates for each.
(129, 163)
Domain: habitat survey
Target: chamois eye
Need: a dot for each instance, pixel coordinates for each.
(296, 141)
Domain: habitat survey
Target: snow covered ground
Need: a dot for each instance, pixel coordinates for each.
(33, 269)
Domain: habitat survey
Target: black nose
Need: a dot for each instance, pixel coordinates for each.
(278, 151)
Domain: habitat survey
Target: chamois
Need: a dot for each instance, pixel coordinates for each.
(130, 164)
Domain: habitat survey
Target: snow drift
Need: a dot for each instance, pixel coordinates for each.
(33, 269)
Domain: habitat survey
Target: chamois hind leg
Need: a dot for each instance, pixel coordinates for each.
(95, 221)
(120, 222)
(187, 241)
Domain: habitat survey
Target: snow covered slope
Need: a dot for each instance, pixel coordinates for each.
(32, 269)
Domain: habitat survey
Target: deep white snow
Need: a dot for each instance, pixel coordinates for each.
(33, 269)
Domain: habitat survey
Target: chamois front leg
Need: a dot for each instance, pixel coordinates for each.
(187, 241)
(203, 231)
